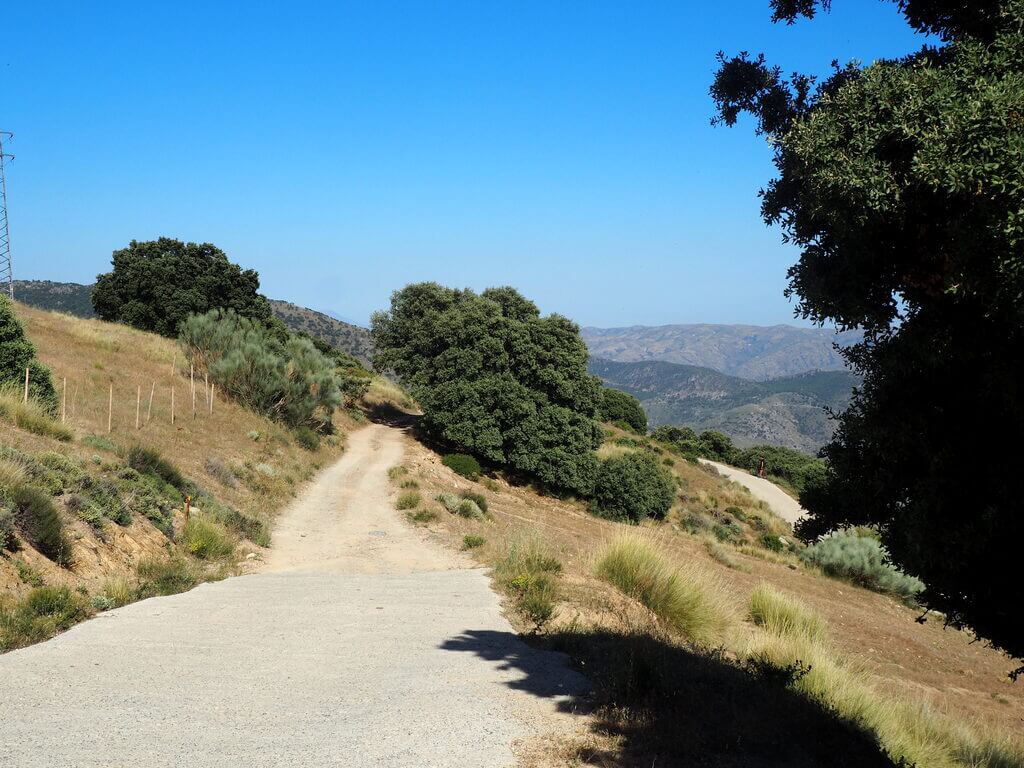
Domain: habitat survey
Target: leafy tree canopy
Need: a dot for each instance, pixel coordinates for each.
(632, 487)
(18, 353)
(155, 285)
(622, 408)
(902, 184)
(495, 379)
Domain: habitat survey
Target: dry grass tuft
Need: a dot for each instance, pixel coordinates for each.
(31, 416)
(782, 614)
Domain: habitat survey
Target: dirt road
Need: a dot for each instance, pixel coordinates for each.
(361, 644)
(782, 504)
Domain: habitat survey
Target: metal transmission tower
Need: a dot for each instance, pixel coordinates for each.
(6, 270)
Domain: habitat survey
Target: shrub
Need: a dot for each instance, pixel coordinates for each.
(463, 464)
(13, 474)
(117, 591)
(863, 561)
(491, 485)
(148, 461)
(468, 508)
(772, 542)
(623, 410)
(40, 614)
(784, 615)
(220, 471)
(31, 416)
(409, 483)
(16, 354)
(251, 528)
(472, 542)
(529, 574)
(165, 576)
(7, 540)
(105, 495)
(307, 438)
(86, 511)
(685, 599)
(422, 516)
(284, 378)
(206, 539)
(476, 498)
(449, 501)
(728, 532)
(408, 500)
(151, 498)
(39, 522)
(396, 472)
(100, 443)
(632, 487)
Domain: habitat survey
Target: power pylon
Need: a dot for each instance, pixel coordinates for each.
(6, 269)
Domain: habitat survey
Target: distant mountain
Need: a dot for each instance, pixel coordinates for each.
(69, 298)
(749, 351)
(788, 411)
(339, 334)
(76, 299)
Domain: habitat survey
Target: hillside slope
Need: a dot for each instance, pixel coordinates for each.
(75, 299)
(749, 351)
(788, 411)
(233, 455)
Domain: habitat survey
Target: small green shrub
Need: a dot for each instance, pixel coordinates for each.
(476, 498)
(409, 483)
(39, 522)
(529, 574)
(7, 539)
(408, 500)
(28, 574)
(251, 528)
(863, 561)
(467, 508)
(105, 495)
(148, 461)
(728, 532)
(101, 443)
(41, 614)
(307, 438)
(422, 516)
(632, 487)
(463, 464)
(165, 576)
(150, 497)
(491, 485)
(396, 472)
(449, 501)
(772, 542)
(472, 542)
(206, 539)
(85, 511)
(117, 591)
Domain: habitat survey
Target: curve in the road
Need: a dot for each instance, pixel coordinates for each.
(781, 503)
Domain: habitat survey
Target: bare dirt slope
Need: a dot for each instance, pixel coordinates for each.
(360, 645)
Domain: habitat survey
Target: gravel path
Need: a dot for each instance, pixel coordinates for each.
(782, 504)
(360, 644)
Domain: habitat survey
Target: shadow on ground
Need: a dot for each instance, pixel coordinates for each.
(391, 415)
(671, 706)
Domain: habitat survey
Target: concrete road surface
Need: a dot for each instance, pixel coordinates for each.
(360, 645)
(782, 504)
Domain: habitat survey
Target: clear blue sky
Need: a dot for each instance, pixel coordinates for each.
(346, 149)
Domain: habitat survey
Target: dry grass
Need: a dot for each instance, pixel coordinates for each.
(31, 416)
(686, 598)
(782, 614)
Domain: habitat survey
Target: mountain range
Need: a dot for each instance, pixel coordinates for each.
(788, 410)
(748, 351)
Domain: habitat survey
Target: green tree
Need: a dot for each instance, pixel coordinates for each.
(632, 487)
(16, 354)
(155, 285)
(902, 185)
(621, 408)
(495, 379)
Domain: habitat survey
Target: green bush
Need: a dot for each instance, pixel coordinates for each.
(529, 574)
(16, 354)
(86, 511)
(408, 500)
(861, 560)
(148, 461)
(7, 539)
(154, 285)
(307, 438)
(40, 614)
(463, 464)
(105, 495)
(623, 410)
(100, 443)
(286, 379)
(449, 501)
(165, 576)
(772, 542)
(251, 528)
(39, 522)
(472, 542)
(206, 539)
(397, 471)
(31, 415)
(422, 516)
(794, 468)
(476, 498)
(150, 497)
(632, 487)
(468, 508)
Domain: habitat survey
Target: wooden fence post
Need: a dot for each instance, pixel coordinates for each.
(64, 402)
(149, 408)
(213, 388)
(172, 404)
(25, 399)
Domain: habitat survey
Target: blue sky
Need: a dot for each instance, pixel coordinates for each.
(346, 149)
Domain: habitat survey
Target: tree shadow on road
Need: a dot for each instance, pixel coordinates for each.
(669, 705)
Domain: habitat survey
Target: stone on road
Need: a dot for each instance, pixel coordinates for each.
(345, 652)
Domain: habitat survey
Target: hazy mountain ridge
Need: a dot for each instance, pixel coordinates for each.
(788, 411)
(76, 299)
(748, 351)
